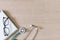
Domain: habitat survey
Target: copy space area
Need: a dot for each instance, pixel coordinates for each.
(43, 13)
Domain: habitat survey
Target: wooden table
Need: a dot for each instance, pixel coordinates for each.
(43, 13)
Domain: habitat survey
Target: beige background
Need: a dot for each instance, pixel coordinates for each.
(43, 13)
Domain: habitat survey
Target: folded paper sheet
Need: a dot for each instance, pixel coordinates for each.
(11, 26)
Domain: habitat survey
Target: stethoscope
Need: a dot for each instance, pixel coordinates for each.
(21, 30)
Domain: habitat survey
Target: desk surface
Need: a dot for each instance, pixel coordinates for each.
(43, 13)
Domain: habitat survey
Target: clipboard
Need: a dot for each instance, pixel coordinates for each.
(11, 26)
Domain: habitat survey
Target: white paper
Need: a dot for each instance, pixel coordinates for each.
(11, 26)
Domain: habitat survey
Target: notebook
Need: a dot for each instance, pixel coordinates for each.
(11, 27)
